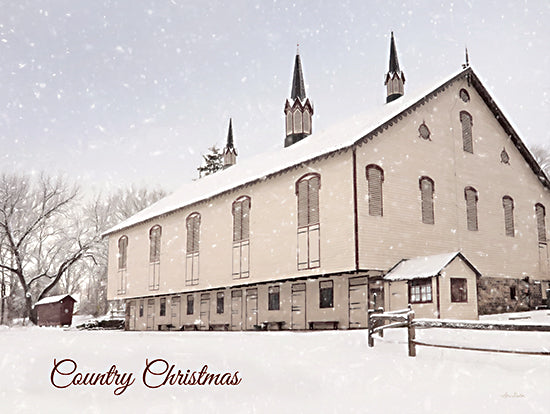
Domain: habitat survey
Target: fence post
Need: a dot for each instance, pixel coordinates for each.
(370, 327)
(411, 333)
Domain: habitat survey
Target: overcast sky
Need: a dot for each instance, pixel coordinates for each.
(117, 92)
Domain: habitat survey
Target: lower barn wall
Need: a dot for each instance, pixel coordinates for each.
(247, 307)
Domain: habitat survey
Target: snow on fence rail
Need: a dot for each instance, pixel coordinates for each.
(405, 319)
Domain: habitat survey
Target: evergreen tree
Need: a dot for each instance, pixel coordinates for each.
(213, 162)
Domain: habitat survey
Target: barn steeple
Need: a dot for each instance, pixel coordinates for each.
(395, 78)
(229, 151)
(298, 109)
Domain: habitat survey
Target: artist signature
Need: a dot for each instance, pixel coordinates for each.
(513, 395)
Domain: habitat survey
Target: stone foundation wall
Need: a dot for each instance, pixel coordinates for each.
(499, 295)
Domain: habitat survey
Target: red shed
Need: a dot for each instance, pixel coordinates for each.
(55, 310)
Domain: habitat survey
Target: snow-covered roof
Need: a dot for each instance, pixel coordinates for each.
(420, 267)
(338, 137)
(52, 299)
(259, 167)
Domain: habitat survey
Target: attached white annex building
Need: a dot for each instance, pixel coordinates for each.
(433, 200)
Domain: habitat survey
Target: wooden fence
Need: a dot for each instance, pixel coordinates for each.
(405, 319)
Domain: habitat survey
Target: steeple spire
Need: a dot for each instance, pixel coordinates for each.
(394, 62)
(298, 88)
(229, 151)
(298, 109)
(395, 78)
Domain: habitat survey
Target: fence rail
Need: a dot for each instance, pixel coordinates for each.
(405, 319)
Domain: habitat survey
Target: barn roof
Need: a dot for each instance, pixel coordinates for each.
(340, 137)
(423, 267)
(53, 299)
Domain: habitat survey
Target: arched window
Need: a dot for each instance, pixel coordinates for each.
(375, 178)
(297, 121)
(467, 141)
(307, 193)
(122, 252)
(464, 95)
(192, 224)
(508, 205)
(471, 196)
(540, 212)
(424, 132)
(154, 244)
(122, 264)
(154, 257)
(241, 236)
(427, 188)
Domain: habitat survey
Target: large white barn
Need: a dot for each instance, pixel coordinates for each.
(432, 200)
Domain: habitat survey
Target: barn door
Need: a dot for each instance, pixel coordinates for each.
(251, 308)
(151, 314)
(358, 289)
(205, 311)
(132, 321)
(298, 313)
(175, 312)
(237, 310)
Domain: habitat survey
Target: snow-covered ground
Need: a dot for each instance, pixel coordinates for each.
(313, 372)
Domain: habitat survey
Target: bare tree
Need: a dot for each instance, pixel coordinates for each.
(42, 236)
(101, 214)
(542, 156)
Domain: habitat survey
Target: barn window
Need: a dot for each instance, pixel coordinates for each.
(141, 305)
(464, 95)
(193, 223)
(424, 132)
(326, 294)
(122, 252)
(427, 199)
(508, 205)
(459, 290)
(154, 244)
(307, 193)
(470, 194)
(162, 310)
(219, 302)
(467, 141)
(375, 178)
(190, 304)
(241, 237)
(540, 212)
(420, 290)
(122, 264)
(154, 257)
(273, 298)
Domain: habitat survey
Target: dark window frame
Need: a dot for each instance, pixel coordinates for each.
(274, 298)
(190, 305)
(471, 196)
(220, 302)
(326, 294)
(459, 290)
(123, 253)
(155, 234)
(162, 307)
(141, 308)
(508, 207)
(467, 125)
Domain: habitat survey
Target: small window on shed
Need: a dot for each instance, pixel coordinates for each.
(420, 290)
(459, 290)
(424, 131)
